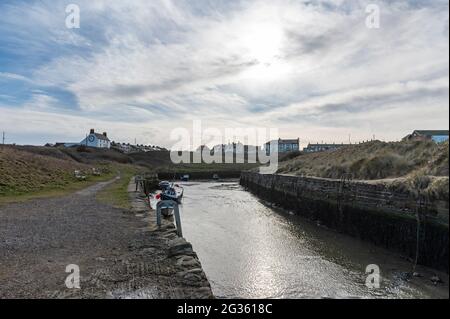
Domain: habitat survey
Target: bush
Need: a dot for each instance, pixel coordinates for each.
(289, 156)
(83, 149)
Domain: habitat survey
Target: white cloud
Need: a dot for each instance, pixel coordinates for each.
(248, 63)
(14, 77)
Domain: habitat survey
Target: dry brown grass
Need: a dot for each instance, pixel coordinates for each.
(426, 187)
(419, 168)
(374, 160)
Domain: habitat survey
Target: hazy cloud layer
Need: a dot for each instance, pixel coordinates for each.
(310, 68)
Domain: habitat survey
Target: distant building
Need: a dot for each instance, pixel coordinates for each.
(314, 148)
(96, 140)
(437, 136)
(284, 146)
(127, 148)
(235, 148)
(227, 148)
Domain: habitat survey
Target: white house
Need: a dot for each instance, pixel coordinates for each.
(96, 140)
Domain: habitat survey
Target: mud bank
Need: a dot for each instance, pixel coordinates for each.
(370, 212)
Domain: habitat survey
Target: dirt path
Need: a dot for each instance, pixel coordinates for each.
(117, 255)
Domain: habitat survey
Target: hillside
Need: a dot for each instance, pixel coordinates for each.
(412, 167)
(30, 169)
(23, 172)
(373, 160)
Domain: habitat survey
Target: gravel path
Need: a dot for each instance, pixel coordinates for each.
(120, 254)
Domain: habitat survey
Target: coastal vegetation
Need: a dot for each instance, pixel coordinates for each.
(116, 194)
(33, 172)
(30, 171)
(417, 167)
(373, 160)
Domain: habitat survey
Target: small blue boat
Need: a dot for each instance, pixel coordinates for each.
(164, 185)
(174, 193)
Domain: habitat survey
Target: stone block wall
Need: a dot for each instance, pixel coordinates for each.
(371, 212)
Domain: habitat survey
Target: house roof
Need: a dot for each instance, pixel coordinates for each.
(101, 137)
(431, 132)
(292, 141)
(287, 141)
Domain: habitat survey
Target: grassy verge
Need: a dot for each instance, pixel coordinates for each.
(116, 194)
(70, 185)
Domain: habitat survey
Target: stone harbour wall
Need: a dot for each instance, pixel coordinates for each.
(371, 212)
(199, 175)
(176, 270)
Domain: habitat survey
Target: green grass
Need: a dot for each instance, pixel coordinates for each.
(35, 172)
(116, 194)
(56, 189)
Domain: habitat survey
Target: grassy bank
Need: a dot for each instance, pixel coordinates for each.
(33, 172)
(116, 194)
(374, 160)
(420, 168)
(58, 189)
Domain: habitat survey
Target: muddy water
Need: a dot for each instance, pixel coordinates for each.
(250, 250)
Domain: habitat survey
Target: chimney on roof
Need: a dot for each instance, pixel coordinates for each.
(104, 134)
(92, 131)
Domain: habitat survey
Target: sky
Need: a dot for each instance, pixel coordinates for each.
(136, 69)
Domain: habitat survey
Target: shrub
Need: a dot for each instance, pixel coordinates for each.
(83, 149)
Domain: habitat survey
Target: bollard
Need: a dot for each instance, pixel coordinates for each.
(178, 220)
(169, 204)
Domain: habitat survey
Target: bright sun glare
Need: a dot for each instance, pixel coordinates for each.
(263, 43)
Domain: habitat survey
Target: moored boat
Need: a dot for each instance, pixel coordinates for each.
(155, 199)
(174, 193)
(164, 185)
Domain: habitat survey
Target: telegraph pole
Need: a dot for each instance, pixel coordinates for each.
(3, 138)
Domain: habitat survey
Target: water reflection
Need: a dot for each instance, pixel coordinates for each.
(249, 250)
